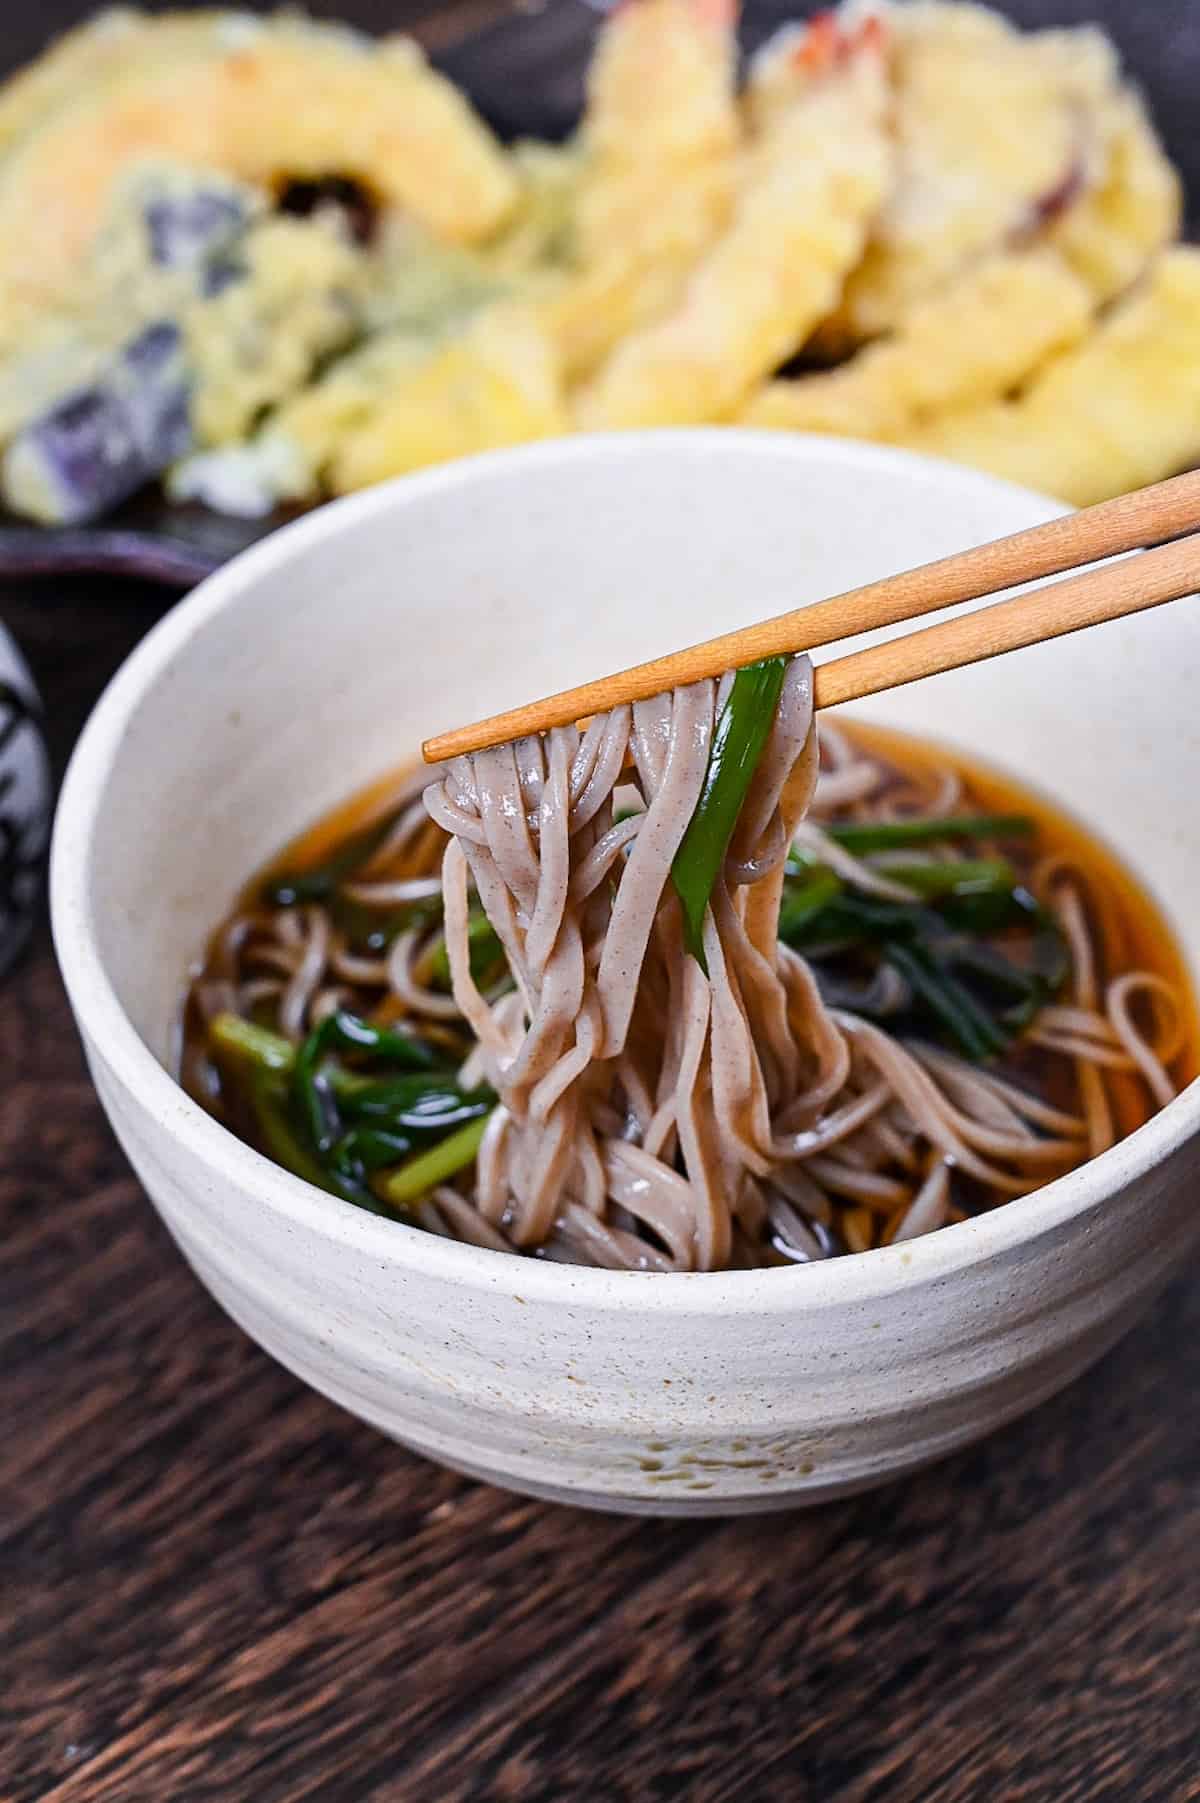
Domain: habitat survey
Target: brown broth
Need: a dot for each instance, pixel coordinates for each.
(1128, 930)
(1131, 931)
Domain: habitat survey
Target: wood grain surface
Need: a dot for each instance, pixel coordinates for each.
(215, 1586)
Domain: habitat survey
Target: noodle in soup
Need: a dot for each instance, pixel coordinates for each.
(683, 990)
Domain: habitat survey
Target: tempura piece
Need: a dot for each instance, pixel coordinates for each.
(92, 53)
(810, 187)
(975, 340)
(169, 233)
(499, 384)
(102, 443)
(995, 128)
(656, 170)
(660, 110)
(1120, 410)
(1133, 211)
(814, 45)
(290, 459)
(601, 306)
(421, 292)
(296, 301)
(272, 100)
(246, 481)
(539, 233)
(56, 357)
(118, 42)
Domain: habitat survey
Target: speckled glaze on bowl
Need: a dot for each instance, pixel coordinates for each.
(320, 659)
(25, 791)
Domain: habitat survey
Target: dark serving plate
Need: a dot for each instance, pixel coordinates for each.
(525, 74)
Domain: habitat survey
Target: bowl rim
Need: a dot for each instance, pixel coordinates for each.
(154, 1093)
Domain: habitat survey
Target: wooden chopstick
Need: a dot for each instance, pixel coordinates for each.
(1148, 516)
(1049, 612)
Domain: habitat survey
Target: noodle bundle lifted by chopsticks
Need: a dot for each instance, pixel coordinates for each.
(619, 1057)
(698, 1094)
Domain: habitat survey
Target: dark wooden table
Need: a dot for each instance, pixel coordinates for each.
(216, 1586)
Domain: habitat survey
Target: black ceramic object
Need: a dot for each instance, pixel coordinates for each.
(24, 801)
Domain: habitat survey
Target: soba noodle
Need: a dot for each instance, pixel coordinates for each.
(654, 1109)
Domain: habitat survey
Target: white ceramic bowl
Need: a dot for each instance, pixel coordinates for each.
(320, 659)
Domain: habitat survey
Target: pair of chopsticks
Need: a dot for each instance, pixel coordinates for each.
(1147, 517)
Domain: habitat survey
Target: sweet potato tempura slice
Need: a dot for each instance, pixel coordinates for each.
(283, 99)
(810, 185)
(111, 44)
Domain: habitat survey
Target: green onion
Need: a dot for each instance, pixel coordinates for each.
(803, 900)
(361, 1152)
(888, 835)
(741, 733)
(313, 1089)
(257, 1045)
(984, 911)
(484, 946)
(337, 1127)
(281, 1142)
(994, 970)
(348, 1032)
(1049, 968)
(373, 1148)
(415, 1094)
(935, 879)
(371, 931)
(271, 1052)
(852, 920)
(286, 1146)
(434, 1110)
(416, 1178)
(278, 1138)
(931, 945)
(965, 1019)
(1018, 993)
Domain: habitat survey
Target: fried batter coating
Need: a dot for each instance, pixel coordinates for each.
(657, 167)
(498, 384)
(811, 184)
(1120, 410)
(977, 338)
(1131, 213)
(264, 101)
(995, 128)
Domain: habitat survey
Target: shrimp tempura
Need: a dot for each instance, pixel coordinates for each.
(1131, 214)
(1120, 410)
(995, 129)
(810, 186)
(656, 170)
(976, 339)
